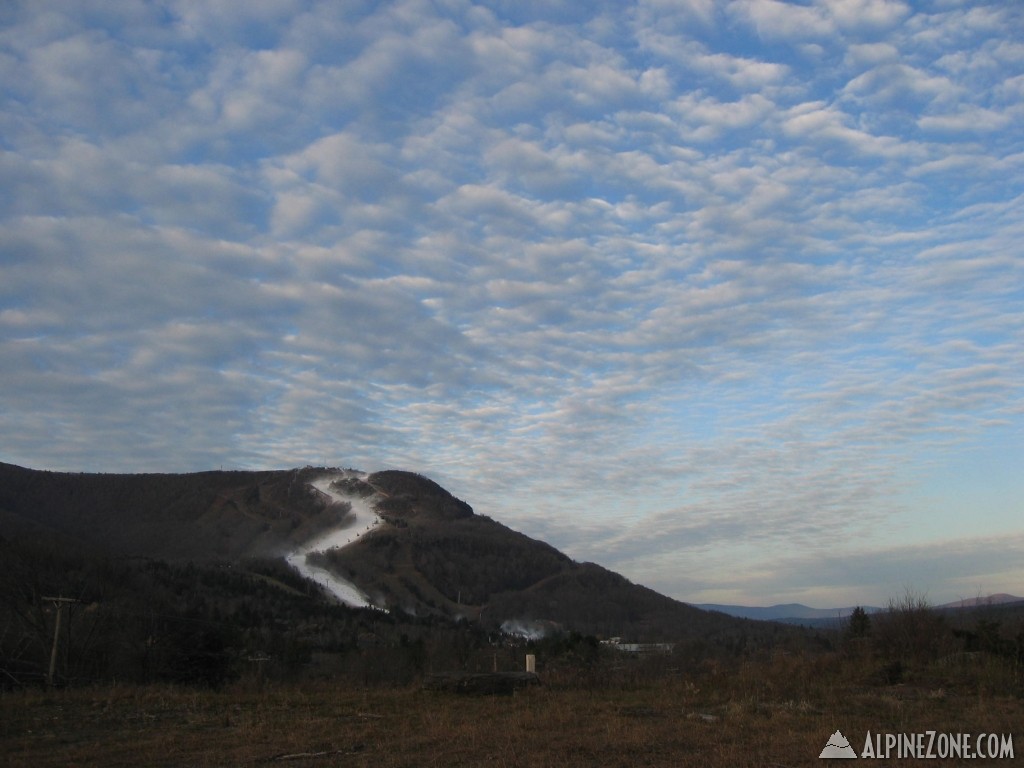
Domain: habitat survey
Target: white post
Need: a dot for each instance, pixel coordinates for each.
(531, 663)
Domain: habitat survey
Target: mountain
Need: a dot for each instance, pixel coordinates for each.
(786, 612)
(198, 516)
(797, 613)
(1000, 598)
(427, 555)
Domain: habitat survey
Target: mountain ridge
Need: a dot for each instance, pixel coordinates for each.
(782, 611)
(794, 612)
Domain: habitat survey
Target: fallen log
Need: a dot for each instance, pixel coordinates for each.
(311, 755)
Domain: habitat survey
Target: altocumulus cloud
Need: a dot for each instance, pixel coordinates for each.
(723, 295)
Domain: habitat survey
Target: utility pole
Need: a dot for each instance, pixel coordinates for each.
(58, 603)
(259, 659)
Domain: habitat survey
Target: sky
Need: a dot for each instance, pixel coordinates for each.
(725, 296)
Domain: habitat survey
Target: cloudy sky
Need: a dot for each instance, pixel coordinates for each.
(725, 296)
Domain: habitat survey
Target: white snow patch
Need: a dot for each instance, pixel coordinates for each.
(362, 519)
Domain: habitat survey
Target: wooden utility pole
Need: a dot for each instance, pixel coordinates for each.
(58, 603)
(259, 659)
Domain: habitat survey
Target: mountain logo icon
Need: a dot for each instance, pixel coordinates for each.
(837, 746)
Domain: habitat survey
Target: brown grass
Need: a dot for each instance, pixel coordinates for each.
(779, 712)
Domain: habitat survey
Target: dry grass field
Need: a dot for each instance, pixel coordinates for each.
(778, 712)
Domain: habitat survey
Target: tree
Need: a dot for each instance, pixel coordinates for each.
(860, 623)
(910, 630)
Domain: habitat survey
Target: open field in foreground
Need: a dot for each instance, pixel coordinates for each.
(779, 712)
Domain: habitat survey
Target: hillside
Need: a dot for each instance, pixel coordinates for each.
(434, 555)
(197, 516)
(430, 555)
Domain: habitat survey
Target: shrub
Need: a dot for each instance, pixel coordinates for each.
(910, 630)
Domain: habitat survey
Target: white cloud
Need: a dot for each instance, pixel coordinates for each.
(873, 15)
(709, 280)
(776, 20)
(970, 120)
(871, 54)
(681, 14)
(708, 118)
(825, 123)
(901, 86)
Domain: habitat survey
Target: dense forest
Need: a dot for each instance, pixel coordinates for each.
(143, 620)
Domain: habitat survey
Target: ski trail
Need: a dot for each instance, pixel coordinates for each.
(362, 519)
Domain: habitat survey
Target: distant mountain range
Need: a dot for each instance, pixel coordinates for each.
(797, 613)
(998, 599)
(782, 612)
